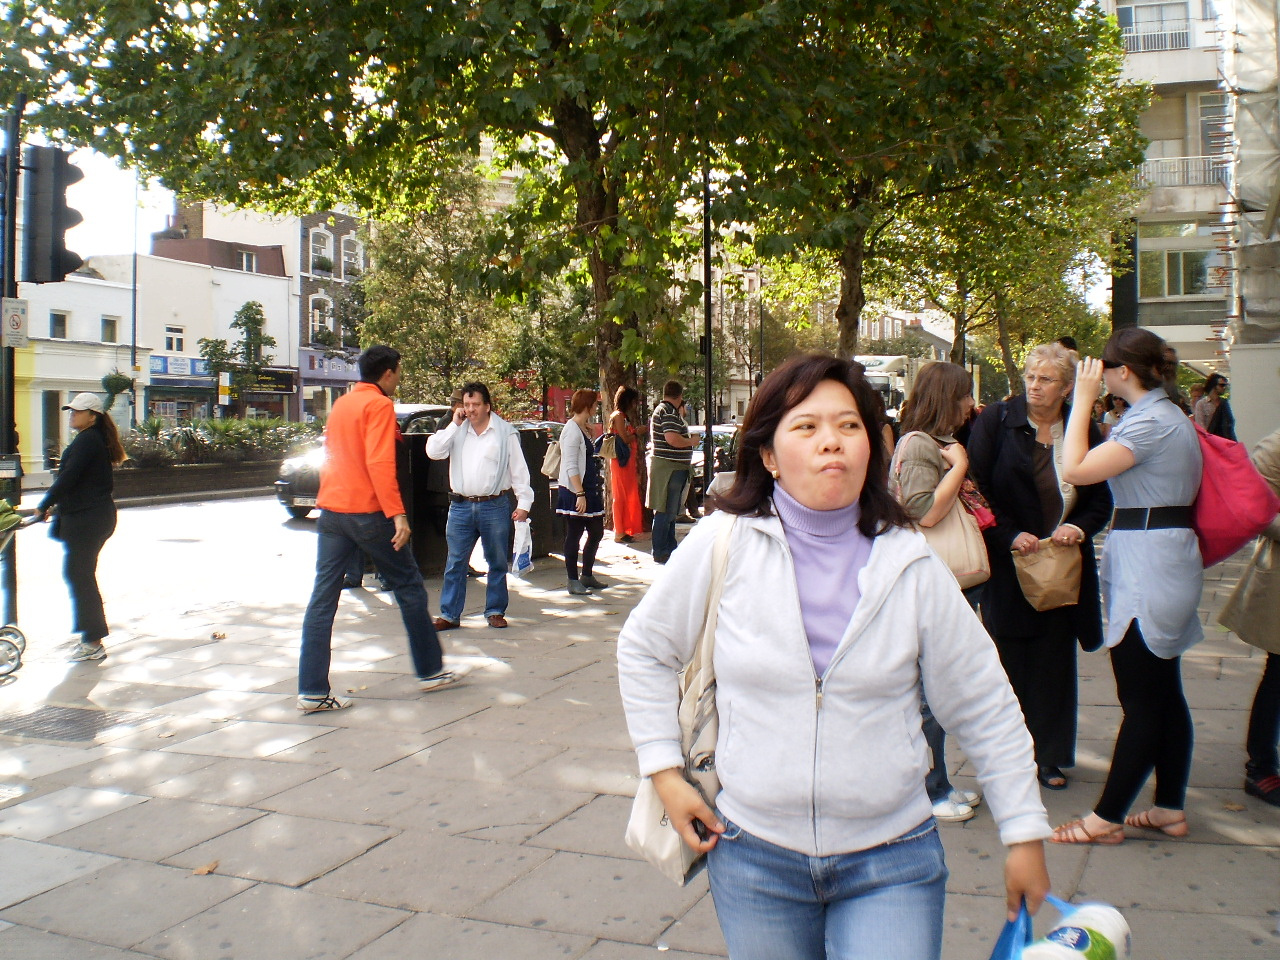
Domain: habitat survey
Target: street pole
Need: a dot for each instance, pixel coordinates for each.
(133, 342)
(708, 446)
(8, 431)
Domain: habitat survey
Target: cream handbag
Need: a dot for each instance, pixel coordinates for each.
(649, 831)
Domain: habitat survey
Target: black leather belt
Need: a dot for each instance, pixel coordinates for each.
(459, 498)
(1150, 518)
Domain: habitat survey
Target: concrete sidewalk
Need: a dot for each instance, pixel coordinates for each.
(170, 802)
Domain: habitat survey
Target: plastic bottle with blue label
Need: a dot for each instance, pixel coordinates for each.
(1093, 931)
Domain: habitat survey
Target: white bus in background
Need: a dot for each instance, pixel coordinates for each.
(894, 376)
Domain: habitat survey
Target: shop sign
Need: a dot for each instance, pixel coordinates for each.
(180, 366)
(14, 315)
(316, 366)
(271, 381)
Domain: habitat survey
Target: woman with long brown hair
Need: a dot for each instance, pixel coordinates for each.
(86, 516)
(628, 513)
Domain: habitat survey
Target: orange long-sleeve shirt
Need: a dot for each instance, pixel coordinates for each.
(359, 472)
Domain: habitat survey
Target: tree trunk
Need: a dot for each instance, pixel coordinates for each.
(1006, 351)
(961, 318)
(597, 206)
(852, 297)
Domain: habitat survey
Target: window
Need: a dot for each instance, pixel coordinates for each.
(1155, 26)
(1178, 259)
(110, 329)
(174, 339)
(321, 251)
(1215, 113)
(352, 260)
(321, 316)
(58, 326)
(246, 260)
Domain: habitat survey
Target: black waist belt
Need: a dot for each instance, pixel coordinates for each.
(459, 498)
(1150, 518)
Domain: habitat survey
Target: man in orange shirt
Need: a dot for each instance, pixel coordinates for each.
(361, 509)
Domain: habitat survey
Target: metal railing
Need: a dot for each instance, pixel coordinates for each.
(1184, 172)
(1172, 35)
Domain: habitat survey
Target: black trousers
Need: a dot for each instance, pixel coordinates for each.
(1155, 733)
(1264, 722)
(574, 528)
(83, 536)
(1042, 672)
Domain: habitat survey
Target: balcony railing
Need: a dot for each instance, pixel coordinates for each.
(1184, 172)
(1172, 35)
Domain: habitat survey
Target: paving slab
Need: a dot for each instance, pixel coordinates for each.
(475, 758)
(455, 937)
(156, 829)
(400, 873)
(30, 761)
(30, 944)
(247, 739)
(698, 931)
(592, 896)
(359, 749)
(613, 950)
(52, 813)
(236, 782)
(131, 771)
(123, 903)
(269, 922)
(282, 849)
(596, 828)
(355, 796)
(31, 868)
(490, 811)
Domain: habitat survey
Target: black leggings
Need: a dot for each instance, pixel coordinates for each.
(1155, 733)
(83, 536)
(1264, 722)
(574, 528)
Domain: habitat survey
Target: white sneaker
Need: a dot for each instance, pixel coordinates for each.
(87, 651)
(967, 797)
(445, 678)
(948, 811)
(317, 704)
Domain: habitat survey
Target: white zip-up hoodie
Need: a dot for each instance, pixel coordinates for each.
(830, 764)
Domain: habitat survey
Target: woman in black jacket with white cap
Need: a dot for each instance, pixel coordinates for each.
(86, 515)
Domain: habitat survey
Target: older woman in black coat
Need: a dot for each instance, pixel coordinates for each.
(1015, 455)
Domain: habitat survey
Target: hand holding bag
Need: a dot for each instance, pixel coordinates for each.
(649, 831)
(606, 447)
(1050, 577)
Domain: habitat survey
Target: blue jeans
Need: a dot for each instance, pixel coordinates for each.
(340, 537)
(490, 523)
(879, 904)
(664, 521)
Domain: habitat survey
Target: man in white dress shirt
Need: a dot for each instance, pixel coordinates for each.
(486, 465)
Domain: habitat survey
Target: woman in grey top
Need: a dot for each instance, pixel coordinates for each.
(1152, 462)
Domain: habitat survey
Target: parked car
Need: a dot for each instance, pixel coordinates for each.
(298, 481)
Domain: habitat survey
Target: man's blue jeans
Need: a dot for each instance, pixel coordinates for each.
(664, 520)
(490, 523)
(777, 904)
(340, 537)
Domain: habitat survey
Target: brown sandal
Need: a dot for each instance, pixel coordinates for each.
(1176, 828)
(1075, 832)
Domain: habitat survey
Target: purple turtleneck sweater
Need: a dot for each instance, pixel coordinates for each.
(829, 552)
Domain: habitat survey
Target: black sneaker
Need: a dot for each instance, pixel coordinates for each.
(1265, 787)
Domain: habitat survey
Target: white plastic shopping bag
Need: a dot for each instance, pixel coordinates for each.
(522, 550)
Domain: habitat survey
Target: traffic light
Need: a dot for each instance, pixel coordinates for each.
(46, 174)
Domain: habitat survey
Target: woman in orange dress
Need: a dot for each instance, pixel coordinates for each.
(628, 518)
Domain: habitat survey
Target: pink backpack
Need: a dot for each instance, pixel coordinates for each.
(1234, 504)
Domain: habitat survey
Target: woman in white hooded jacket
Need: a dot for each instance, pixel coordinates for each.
(834, 613)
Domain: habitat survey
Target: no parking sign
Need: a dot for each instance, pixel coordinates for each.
(14, 316)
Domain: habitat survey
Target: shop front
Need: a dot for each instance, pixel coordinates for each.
(182, 389)
(324, 380)
(271, 394)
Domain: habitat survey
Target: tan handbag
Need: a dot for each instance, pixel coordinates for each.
(1251, 610)
(649, 831)
(1050, 577)
(956, 538)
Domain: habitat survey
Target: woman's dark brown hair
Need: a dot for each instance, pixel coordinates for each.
(1143, 353)
(625, 399)
(934, 404)
(784, 389)
(107, 427)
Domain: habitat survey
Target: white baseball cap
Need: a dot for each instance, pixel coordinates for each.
(85, 401)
